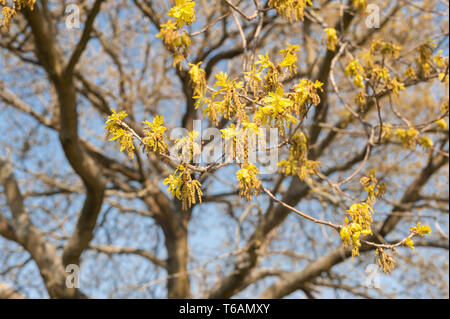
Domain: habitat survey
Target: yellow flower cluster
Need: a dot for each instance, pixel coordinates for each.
(297, 162)
(189, 146)
(290, 58)
(182, 186)
(361, 214)
(424, 58)
(426, 63)
(421, 230)
(198, 79)
(264, 64)
(243, 140)
(9, 12)
(177, 41)
(350, 235)
(355, 70)
(442, 124)
(183, 11)
(373, 72)
(410, 137)
(229, 106)
(270, 106)
(153, 139)
(439, 60)
(305, 93)
(248, 181)
(276, 111)
(417, 230)
(360, 4)
(154, 135)
(385, 48)
(331, 38)
(115, 128)
(290, 9)
(372, 187)
(386, 262)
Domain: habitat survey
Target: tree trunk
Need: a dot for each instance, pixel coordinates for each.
(177, 249)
